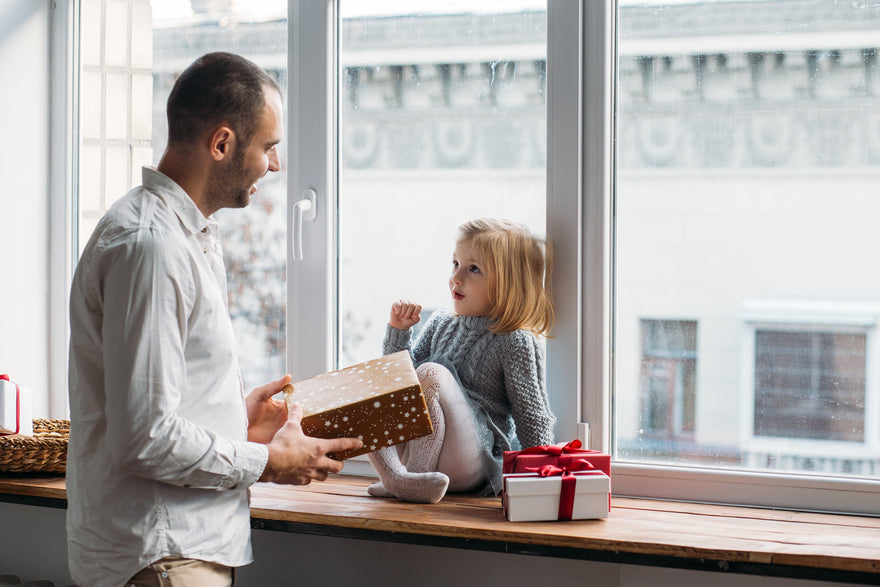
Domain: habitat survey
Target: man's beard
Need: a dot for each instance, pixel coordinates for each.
(229, 187)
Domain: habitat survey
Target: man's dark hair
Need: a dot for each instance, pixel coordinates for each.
(218, 88)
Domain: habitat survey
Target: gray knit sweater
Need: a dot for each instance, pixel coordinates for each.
(502, 375)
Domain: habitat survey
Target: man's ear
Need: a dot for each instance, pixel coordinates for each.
(222, 143)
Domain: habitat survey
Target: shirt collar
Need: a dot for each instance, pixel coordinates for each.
(166, 188)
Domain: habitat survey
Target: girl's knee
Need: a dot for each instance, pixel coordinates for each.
(428, 369)
(429, 373)
(433, 378)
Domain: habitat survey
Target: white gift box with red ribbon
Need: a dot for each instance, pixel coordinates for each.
(15, 408)
(555, 493)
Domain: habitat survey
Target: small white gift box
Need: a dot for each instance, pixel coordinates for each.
(575, 495)
(15, 408)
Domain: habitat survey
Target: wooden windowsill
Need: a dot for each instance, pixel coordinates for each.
(638, 531)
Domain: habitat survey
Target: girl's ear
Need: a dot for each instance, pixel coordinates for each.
(222, 143)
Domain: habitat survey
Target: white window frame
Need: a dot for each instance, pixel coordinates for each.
(685, 483)
(63, 152)
(312, 138)
(311, 164)
(580, 190)
(597, 25)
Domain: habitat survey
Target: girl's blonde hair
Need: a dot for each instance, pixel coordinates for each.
(518, 266)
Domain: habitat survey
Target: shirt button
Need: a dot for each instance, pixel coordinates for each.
(164, 575)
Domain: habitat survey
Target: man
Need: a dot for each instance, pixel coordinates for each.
(163, 443)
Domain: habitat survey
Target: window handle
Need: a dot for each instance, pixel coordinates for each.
(304, 209)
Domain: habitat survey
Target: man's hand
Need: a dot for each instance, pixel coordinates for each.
(296, 459)
(266, 415)
(405, 314)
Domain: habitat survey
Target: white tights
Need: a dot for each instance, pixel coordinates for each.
(422, 470)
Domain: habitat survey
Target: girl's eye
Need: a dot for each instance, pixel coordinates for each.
(455, 264)
(474, 269)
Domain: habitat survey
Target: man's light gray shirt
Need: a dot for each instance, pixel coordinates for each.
(158, 461)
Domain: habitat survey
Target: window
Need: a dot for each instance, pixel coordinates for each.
(683, 157)
(442, 105)
(742, 200)
(133, 51)
(442, 118)
(667, 381)
(810, 385)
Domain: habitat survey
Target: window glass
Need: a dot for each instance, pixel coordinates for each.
(126, 80)
(746, 170)
(442, 119)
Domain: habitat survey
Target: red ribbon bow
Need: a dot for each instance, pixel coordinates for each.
(547, 449)
(569, 482)
(553, 449)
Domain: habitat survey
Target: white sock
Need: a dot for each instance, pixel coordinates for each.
(378, 490)
(402, 484)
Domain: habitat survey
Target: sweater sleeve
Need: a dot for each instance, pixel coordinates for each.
(398, 340)
(523, 365)
(395, 340)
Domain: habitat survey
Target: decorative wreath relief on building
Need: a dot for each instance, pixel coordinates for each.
(360, 144)
(659, 139)
(454, 140)
(770, 137)
(872, 129)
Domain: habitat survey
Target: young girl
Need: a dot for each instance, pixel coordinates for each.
(481, 369)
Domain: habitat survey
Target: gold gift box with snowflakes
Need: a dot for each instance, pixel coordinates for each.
(379, 401)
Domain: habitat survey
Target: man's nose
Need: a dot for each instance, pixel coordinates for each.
(274, 162)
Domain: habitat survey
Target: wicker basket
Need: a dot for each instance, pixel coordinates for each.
(45, 452)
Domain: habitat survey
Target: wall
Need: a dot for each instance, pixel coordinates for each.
(24, 211)
(38, 552)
